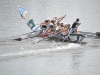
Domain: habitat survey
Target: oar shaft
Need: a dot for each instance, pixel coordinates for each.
(64, 39)
(40, 40)
(25, 33)
(22, 34)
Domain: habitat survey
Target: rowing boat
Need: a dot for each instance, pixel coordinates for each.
(73, 38)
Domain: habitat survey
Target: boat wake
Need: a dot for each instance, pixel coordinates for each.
(70, 46)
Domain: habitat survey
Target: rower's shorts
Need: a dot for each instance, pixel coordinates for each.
(71, 30)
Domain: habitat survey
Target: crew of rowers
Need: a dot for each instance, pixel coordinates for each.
(55, 26)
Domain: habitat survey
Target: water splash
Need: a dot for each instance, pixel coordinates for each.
(70, 46)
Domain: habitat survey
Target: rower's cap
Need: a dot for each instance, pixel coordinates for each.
(51, 24)
(65, 23)
(48, 18)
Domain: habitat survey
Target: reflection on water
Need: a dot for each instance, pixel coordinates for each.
(76, 63)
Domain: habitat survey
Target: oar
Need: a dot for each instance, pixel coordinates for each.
(23, 34)
(64, 39)
(18, 38)
(40, 40)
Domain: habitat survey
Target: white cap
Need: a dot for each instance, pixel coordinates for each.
(51, 23)
(65, 23)
(48, 18)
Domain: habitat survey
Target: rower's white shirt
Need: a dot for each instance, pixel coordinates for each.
(57, 28)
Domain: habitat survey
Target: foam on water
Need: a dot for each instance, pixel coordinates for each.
(70, 46)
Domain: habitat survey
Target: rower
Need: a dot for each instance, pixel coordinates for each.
(50, 30)
(74, 26)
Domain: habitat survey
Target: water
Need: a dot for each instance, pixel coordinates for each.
(45, 57)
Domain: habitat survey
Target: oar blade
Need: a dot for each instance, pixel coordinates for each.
(16, 38)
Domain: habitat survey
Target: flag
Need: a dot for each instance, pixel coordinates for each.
(22, 12)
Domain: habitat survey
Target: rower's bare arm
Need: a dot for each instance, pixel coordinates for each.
(79, 23)
(61, 17)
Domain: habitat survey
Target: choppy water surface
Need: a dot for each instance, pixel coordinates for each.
(46, 57)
